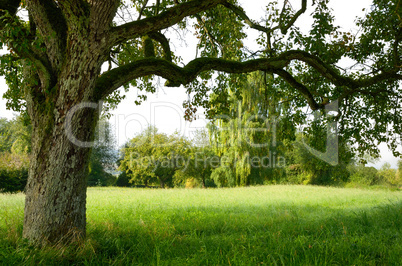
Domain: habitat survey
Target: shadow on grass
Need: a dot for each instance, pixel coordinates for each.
(283, 234)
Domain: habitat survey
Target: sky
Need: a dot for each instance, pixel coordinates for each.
(164, 108)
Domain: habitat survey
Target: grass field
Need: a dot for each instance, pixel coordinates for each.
(271, 225)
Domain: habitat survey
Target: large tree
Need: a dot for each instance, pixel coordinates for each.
(56, 53)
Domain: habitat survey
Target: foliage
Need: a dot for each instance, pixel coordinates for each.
(152, 157)
(202, 160)
(389, 175)
(364, 175)
(15, 135)
(248, 137)
(15, 145)
(316, 170)
(13, 172)
(374, 49)
(399, 173)
(123, 180)
(15, 138)
(98, 176)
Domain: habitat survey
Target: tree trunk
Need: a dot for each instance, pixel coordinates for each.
(55, 204)
(56, 189)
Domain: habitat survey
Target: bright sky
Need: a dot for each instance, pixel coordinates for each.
(164, 108)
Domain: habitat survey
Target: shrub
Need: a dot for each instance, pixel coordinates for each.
(99, 177)
(13, 172)
(388, 175)
(123, 180)
(363, 175)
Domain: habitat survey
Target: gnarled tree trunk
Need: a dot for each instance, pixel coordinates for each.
(61, 145)
(62, 104)
(56, 189)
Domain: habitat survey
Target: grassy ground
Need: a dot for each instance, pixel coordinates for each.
(272, 225)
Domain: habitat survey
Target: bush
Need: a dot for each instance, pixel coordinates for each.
(363, 175)
(99, 177)
(13, 180)
(388, 175)
(13, 172)
(123, 180)
(192, 183)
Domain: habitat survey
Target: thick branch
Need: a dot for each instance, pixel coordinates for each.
(163, 20)
(177, 76)
(74, 9)
(51, 24)
(102, 14)
(334, 76)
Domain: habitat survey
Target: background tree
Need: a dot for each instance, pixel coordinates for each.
(54, 68)
(310, 168)
(388, 175)
(154, 157)
(364, 175)
(13, 172)
(201, 161)
(15, 144)
(251, 132)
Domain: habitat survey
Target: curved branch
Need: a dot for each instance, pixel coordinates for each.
(163, 20)
(301, 88)
(176, 76)
(21, 45)
(242, 14)
(284, 28)
(164, 42)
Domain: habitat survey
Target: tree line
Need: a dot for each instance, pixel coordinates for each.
(156, 159)
(209, 159)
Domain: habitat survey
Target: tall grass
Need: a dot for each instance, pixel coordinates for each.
(273, 225)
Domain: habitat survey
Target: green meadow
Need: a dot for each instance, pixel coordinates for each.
(266, 225)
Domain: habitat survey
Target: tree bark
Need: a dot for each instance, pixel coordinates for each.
(64, 125)
(56, 189)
